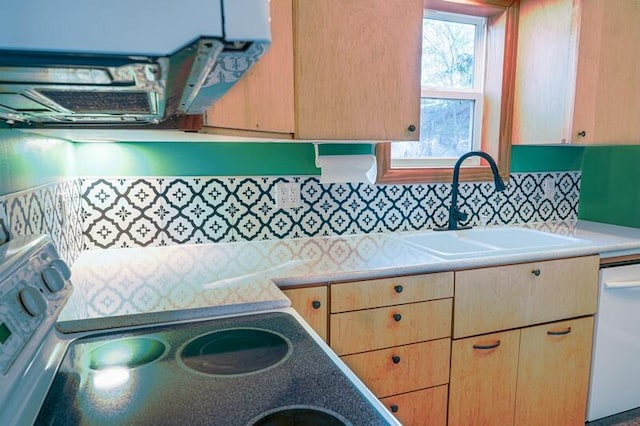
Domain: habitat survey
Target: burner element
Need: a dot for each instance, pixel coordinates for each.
(291, 416)
(130, 353)
(235, 351)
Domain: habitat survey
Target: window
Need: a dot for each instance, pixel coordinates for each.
(453, 52)
(468, 65)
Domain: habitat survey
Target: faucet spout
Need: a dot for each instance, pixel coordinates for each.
(455, 215)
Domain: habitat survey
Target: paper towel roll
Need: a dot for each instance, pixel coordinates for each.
(347, 168)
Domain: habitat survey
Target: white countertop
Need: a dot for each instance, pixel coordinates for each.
(134, 286)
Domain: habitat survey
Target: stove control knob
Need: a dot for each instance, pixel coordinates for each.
(62, 267)
(53, 279)
(33, 301)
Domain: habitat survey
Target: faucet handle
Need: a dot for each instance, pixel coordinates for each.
(461, 216)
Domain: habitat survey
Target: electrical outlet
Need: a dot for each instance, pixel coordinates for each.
(549, 188)
(287, 195)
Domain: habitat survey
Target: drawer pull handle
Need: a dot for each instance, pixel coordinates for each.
(395, 359)
(316, 304)
(394, 408)
(559, 332)
(536, 272)
(397, 317)
(398, 289)
(489, 346)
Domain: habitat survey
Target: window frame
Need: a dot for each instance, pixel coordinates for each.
(501, 45)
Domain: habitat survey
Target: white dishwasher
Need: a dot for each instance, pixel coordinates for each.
(615, 367)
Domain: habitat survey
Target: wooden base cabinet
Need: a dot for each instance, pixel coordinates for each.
(395, 335)
(311, 304)
(532, 376)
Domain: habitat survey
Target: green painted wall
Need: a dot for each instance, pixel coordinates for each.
(28, 161)
(546, 158)
(204, 159)
(610, 187)
(268, 159)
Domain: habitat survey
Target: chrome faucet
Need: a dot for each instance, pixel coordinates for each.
(455, 214)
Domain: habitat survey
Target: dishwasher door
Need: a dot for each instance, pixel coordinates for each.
(615, 367)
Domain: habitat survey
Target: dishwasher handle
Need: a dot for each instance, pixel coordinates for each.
(622, 284)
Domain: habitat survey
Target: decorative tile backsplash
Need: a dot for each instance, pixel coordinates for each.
(139, 212)
(53, 209)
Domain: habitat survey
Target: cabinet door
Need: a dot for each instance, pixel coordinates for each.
(423, 407)
(608, 73)
(545, 72)
(553, 373)
(482, 389)
(357, 69)
(263, 99)
(311, 304)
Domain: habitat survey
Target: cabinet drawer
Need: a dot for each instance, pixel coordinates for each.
(505, 297)
(390, 291)
(372, 329)
(404, 368)
(423, 407)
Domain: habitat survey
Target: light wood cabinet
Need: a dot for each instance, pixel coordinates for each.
(532, 376)
(504, 297)
(521, 348)
(578, 72)
(395, 335)
(528, 359)
(336, 71)
(311, 304)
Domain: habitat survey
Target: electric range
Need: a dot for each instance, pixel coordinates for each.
(259, 368)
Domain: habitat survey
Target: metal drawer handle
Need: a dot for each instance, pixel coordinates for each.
(489, 346)
(559, 332)
(394, 408)
(316, 304)
(395, 359)
(536, 272)
(398, 289)
(397, 317)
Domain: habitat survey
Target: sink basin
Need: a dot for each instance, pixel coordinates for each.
(487, 241)
(447, 243)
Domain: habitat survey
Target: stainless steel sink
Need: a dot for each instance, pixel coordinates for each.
(487, 241)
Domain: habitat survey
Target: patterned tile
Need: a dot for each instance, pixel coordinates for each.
(4, 222)
(135, 212)
(53, 209)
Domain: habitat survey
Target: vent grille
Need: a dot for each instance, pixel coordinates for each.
(116, 102)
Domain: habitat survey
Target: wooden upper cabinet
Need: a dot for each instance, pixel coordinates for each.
(357, 69)
(263, 99)
(335, 71)
(578, 72)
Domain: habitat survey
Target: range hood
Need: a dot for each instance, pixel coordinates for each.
(74, 63)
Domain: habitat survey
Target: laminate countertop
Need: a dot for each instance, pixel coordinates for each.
(135, 286)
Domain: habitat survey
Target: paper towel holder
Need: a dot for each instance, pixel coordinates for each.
(346, 168)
